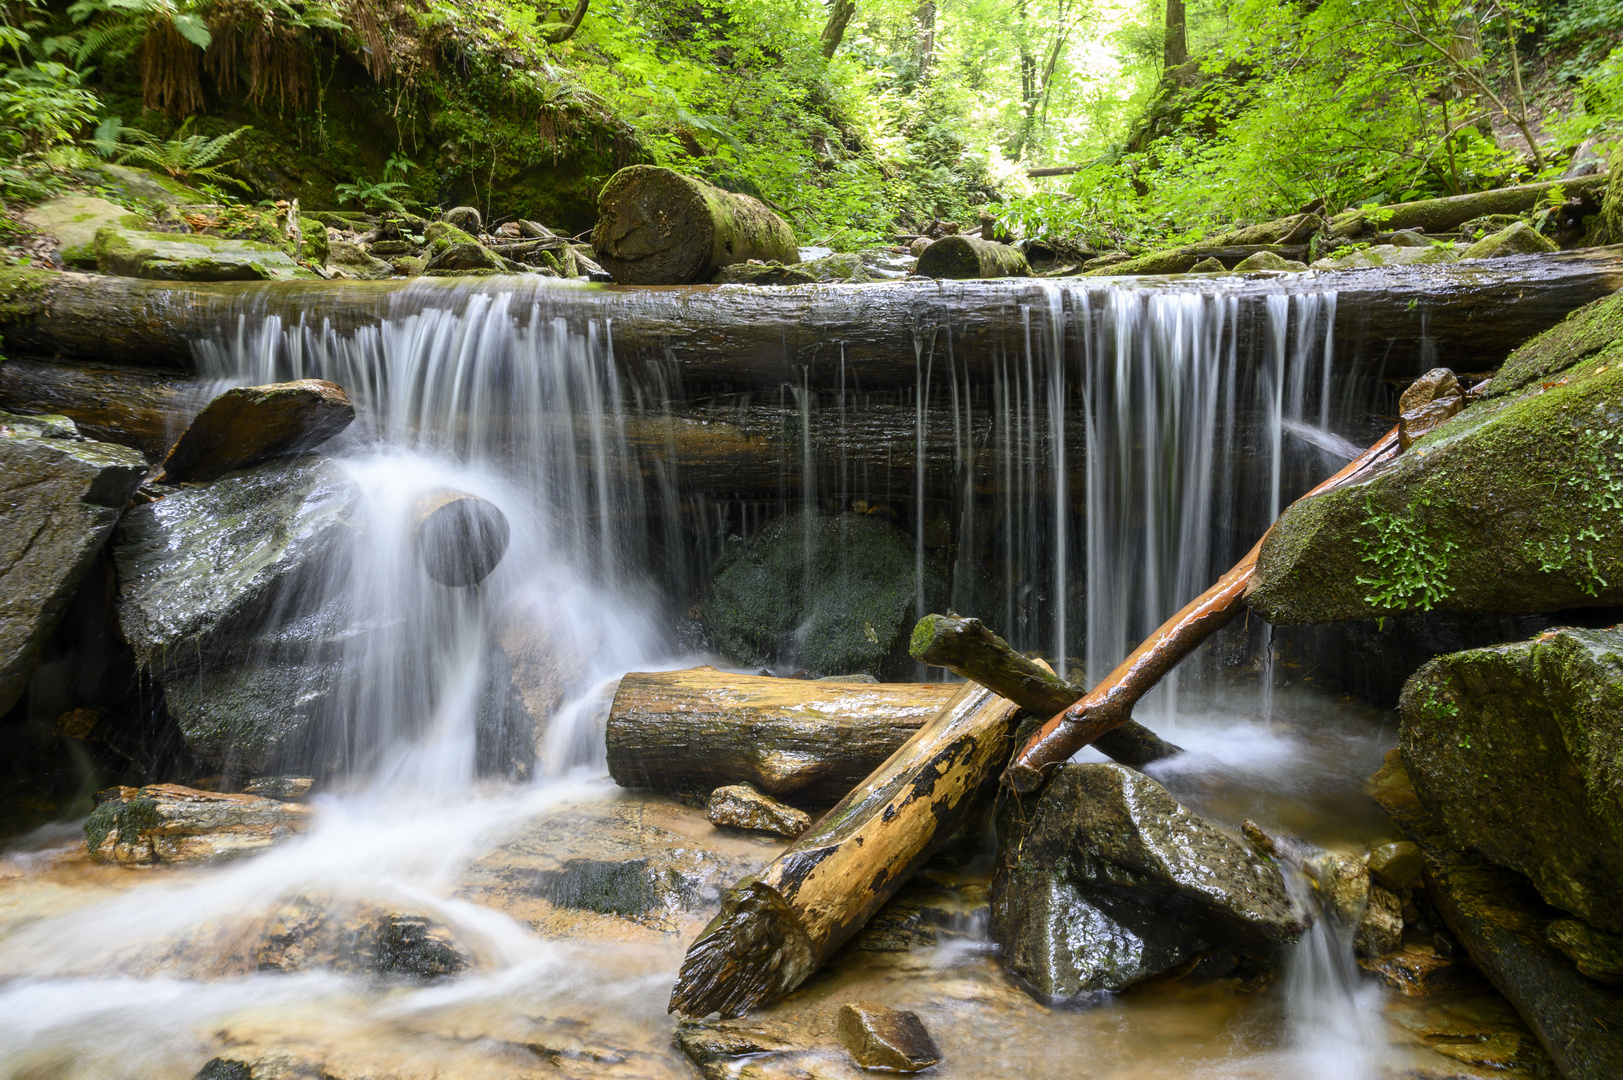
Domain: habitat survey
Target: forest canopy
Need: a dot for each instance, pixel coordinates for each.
(855, 119)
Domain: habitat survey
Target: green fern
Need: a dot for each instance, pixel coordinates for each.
(186, 157)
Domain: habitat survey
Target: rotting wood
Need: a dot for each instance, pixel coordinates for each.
(1450, 212)
(962, 256)
(777, 928)
(967, 647)
(688, 732)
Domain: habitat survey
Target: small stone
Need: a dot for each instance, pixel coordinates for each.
(349, 260)
(1343, 884)
(1598, 954)
(916, 248)
(412, 945)
(741, 806)
(879, 1037)
(251, 424)
(1267, 260)
(1259, 841)
(1409, 238)
(1380, 931)
(77, 723)
(224, 1069)
(1208, 265)
(465, 218)
(278, 787)
(1397, 866)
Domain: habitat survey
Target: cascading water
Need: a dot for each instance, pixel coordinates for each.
(1093, 472)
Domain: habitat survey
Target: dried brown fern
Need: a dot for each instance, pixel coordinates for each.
(171, 77)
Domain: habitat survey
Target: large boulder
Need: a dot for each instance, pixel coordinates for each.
(1105, 880)
(74, 220)
(191, 257)
(226, 594)
(832, 595)
(1518, 751)
(167, 823)
(1515, 505)
(60, 497)
(250, 424)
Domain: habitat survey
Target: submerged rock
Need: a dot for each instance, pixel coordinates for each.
(167, 823)
(60, 498)
(1515, 505)
(832, 595)
(250, 424)
(741, 806)
(1516, 239)
(313, 932)
(1518, 750)
(879, 1037)
(1417, 970)
(1107, 881)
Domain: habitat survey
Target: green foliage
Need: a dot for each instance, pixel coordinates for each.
(187, 157)
(1411, 567)
(43, 104)
(379, 194)
(130, 818)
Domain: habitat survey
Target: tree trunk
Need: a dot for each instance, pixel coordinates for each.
(1110, 704)
(687, 732)
(658, 227)
(777, 928)
(737, 340)
(557, 33)
(967, 648)
(834, 30)
(1176, 49)
(971, 257)
(1449, 213)
(924, 45)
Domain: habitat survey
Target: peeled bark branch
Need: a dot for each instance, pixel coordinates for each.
(968, 648)
(776, 929)
(1110, 704)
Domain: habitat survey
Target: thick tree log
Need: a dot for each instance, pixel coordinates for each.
(968, 648)
(126, 406)
(1110, 704)
(1449, 213)
(686, 732)
(658, 227)
(963, 257)
(759, 339)
(777, 928)
(459, 538)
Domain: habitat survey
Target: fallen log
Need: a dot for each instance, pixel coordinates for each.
(725, 341)
(1452, 211)
(1110, 704)
(109, 404)
(775, 929)
(659, 227)
(968, 648)
(688, 732)
(962, 257)
(459, 538)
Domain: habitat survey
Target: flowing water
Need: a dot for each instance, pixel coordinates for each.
(1095, 471)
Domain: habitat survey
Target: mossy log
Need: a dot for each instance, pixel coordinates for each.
(777, 928)
(686, 732)
(1110, 704)
(1449, 213)
(737, 340)
(1183, 259)
(964, 257)
(658, 227)
(968, 648)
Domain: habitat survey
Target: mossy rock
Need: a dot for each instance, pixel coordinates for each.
(832, 595)
(442, 236)
(191, 257)
(75, 220)
(1518, 750)
(1515, 505)
(1267, 260)
(133, 185)
(1389, 255)
(1517, 239)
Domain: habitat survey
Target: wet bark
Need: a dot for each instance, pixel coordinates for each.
(963, 257)
(777, 928)
(687, 732)
(118, 405)
(1110, 704)
(658, 227)
(968, 648)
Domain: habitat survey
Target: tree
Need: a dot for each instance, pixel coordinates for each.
(834, 29)
(1176, 49)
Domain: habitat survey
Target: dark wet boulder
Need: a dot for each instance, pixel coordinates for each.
(1104, 880)
(831, 595)
(1514, 505)
(250, 424)
(1518, 751)
(226, 595)
(60, 497)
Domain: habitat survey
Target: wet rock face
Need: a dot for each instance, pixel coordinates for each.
(741, 806)
(212, 578)
(1518, 750)
(60, 498)
(832, 595)
(168, 823)
(311, 933)
(1515, 505)
(1596, 953)
(250, 424)
(879, 1037)
(1108, 880)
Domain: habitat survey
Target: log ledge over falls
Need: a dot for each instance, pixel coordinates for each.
(743, 337)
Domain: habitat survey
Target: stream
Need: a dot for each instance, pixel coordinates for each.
(1071, 482)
